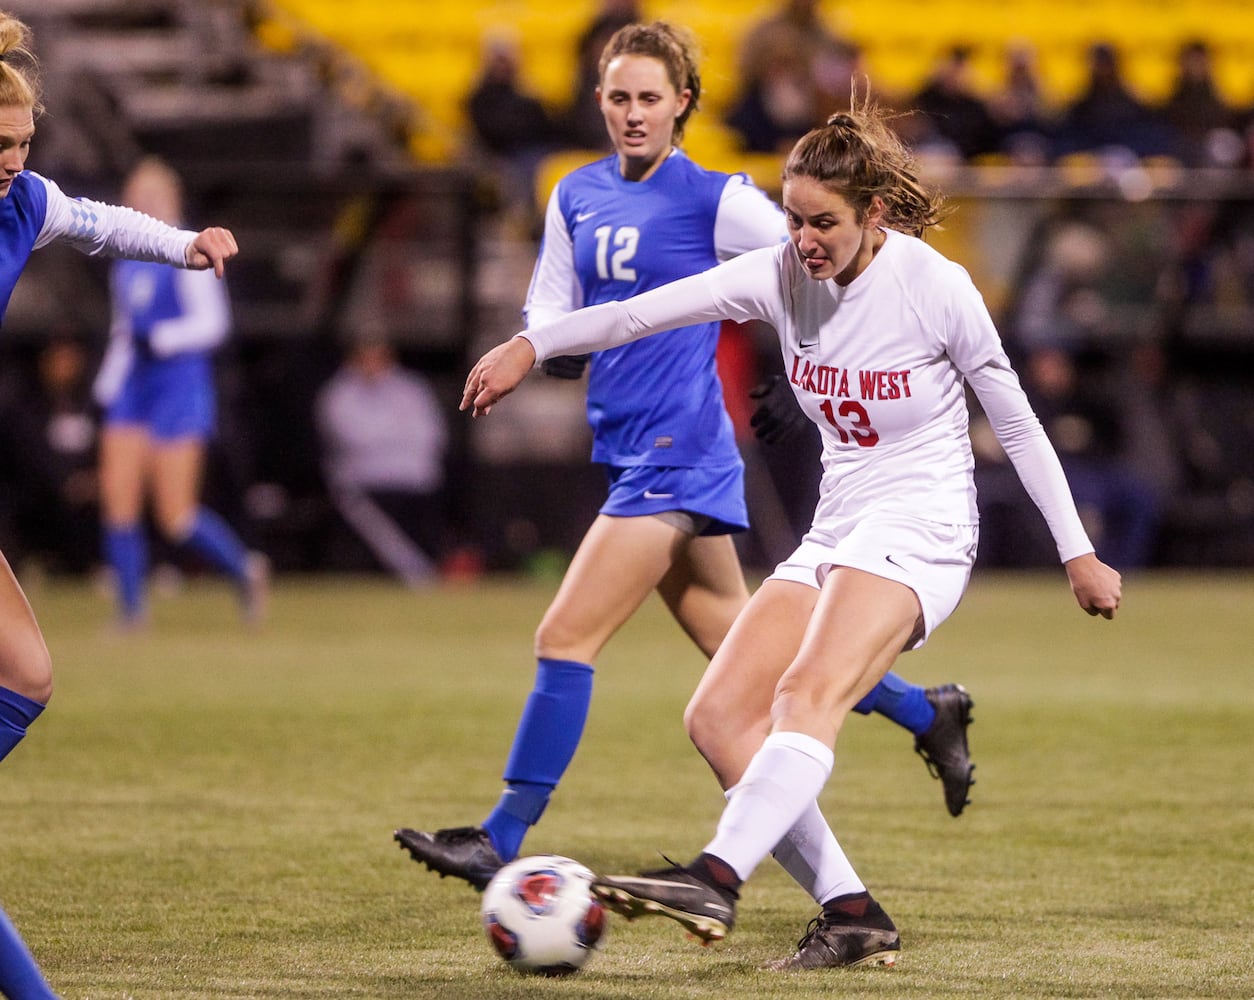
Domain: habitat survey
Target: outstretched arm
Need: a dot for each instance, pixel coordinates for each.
(741, 289)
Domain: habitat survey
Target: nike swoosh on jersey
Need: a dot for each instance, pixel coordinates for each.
(650, 495)
(894, 562)
(584, 216)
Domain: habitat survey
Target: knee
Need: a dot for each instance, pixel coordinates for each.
(711, 723)
(30, 672)
(558, 640)
(174, 527)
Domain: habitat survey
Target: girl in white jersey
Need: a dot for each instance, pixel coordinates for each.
(879, 334)
(34, 213)
(632, 221)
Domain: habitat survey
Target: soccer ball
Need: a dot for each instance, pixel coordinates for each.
(541, 916)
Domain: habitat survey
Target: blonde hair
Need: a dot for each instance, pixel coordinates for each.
(672, 46)
(154, 187)
(857, 155)
(19, 72)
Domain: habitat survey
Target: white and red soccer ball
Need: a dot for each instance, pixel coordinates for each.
(541, 916)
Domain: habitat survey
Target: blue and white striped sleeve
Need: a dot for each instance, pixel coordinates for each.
(96, 228)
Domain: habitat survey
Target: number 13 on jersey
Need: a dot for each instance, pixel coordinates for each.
(851, 421)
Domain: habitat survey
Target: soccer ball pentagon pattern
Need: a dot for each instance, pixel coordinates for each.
(541, 916)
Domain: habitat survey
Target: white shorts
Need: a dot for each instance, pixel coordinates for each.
(934, 560)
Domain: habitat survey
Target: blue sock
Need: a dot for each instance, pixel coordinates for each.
(544, 744)
(17, 712)
(905, 703)
(212, 538)
(126, 549)
(20, 978)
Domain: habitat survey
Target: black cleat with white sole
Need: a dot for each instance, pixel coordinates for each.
(853, 934)
(707, 913)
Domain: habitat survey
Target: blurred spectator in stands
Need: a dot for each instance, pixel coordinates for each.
(1019, 110)
(1081, 328)
(384, 437)
(1086, 419)
(952, 120)
(511, 126)
(48, 424)
(1203, 123)
(1059, 301)
(794, 72)
(583, 125)
(1108, 118)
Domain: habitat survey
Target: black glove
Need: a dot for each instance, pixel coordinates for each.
(566, 366)
(778, 416)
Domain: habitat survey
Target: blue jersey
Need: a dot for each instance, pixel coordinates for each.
(158, 370)
(657, 401)
(22, 215)
(147, 293)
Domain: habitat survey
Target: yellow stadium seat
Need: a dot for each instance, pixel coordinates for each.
(431, 52)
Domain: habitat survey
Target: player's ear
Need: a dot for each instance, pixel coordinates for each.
(874, 213)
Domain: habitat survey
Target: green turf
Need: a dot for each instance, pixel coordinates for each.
(204, 812)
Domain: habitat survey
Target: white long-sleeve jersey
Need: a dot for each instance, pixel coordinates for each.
(879, 365)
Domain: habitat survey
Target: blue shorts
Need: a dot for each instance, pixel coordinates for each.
(717, 493)
(172, 397)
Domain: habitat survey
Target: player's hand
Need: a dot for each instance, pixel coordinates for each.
(212, 247)
(568, 366)
(1097, 587)
(497, 374)
(779, 416)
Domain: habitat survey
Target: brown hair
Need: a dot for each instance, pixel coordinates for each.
(19, 76)
(859, 156)
(672, 46)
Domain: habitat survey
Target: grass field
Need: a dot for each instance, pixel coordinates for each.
(205, 812)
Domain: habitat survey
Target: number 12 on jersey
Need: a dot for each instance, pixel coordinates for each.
(626, 240)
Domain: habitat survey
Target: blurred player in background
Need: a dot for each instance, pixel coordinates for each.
(156, 385)
(34, 213)
(881, 335)
(635, 220)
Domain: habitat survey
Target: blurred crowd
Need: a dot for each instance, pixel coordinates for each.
(794, 70)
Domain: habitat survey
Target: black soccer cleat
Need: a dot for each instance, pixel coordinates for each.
(944, 746)
(837, 938)
(707, 913)
(465, 852)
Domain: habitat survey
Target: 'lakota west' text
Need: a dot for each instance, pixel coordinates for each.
(824, 380)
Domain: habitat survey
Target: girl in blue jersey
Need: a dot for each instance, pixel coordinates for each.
(636, 220)
(34, 213)
(156, 386)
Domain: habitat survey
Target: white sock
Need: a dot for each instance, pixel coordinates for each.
(784, 777)
(811, 854)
